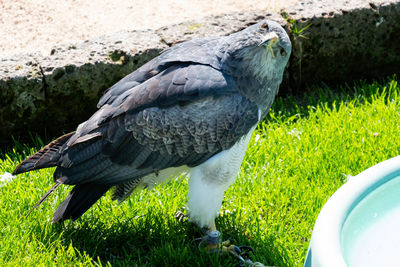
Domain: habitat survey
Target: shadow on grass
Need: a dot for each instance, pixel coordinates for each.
(152, 240)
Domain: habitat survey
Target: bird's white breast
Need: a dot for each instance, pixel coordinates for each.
(209, 181)
(223, 167)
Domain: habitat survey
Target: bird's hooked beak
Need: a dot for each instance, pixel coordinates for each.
(269, 40)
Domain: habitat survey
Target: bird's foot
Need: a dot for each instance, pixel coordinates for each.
(181, 216)
(240, 253)
(211, 242)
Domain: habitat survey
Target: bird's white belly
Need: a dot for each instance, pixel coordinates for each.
(209, 181)
(149, 181)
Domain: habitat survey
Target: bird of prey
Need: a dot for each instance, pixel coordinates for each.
(193, 108)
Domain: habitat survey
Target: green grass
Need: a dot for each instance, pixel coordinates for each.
(297, 158)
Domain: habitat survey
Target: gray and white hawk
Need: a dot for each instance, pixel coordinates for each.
(193, 108)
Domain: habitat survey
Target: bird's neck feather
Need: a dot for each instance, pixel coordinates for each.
(257, 76)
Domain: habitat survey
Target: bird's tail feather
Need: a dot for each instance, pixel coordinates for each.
(79, 200)
(44, 158)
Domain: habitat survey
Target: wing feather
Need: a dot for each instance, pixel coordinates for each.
(180, 116)
(205, 51)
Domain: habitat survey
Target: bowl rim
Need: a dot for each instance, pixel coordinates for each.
(325, 247)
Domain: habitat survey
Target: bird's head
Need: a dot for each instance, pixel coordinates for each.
(262, 49)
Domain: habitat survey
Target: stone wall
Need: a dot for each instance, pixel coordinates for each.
(333, 42)
(346, 40)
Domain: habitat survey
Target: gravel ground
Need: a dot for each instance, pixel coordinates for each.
(27, 25)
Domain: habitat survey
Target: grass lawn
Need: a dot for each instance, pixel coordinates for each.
(303, 152)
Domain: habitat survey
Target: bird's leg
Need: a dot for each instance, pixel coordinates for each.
(213, 237)
(211, 241)
(214, 245)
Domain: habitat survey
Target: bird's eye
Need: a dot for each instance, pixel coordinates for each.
(283, 52)
(264, 26)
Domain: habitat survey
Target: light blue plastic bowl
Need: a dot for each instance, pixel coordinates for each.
(360, 223)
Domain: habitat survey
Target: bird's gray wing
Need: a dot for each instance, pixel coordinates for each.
(205, 51)
(182, 116)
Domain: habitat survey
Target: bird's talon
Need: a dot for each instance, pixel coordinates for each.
(226, 243)
(211, 242)
(181, 217)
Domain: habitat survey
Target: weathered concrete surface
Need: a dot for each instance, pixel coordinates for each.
(54, 93)
(214, 26)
